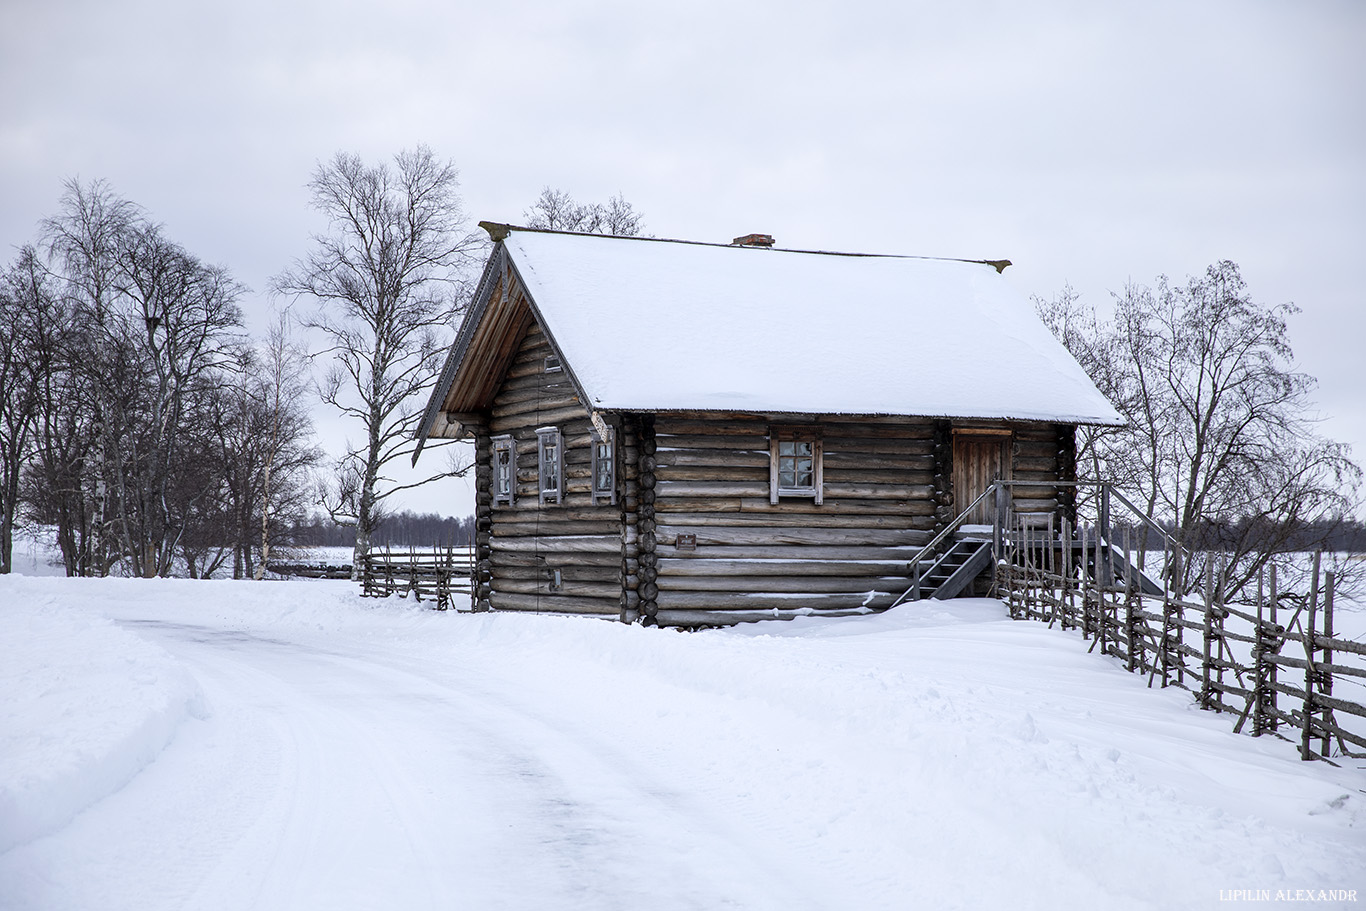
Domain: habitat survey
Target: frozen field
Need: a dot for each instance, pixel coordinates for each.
(220, 745)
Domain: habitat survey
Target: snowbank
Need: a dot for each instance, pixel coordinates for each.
(87, 705)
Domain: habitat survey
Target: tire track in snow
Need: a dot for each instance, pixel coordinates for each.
(399, 784)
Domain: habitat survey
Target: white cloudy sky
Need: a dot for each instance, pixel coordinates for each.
(1090, 143)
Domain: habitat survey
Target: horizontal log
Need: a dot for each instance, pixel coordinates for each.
(1339, 645)
(550, 529)
(708, 536)
(839, 506)
(564, 544)
(695, 521)
(675, 566)
(754, 442)
(535, 401)
(1044, 466)
(1337, 669)
(556, 604)
(799, 506)
(752, 477)
(570, 567)
(788, 552)
(712, 458)
(832, 425)
(530, 421)
(670, 600)
(859, 460)
(784, 585)
(529, 559)
(1319, 700)
(568, 588)
(526, 510)
(711, 488)
(692, 619)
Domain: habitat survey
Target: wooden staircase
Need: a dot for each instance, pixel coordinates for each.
(954, 571)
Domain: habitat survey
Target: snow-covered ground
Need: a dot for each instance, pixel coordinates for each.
(221, 745)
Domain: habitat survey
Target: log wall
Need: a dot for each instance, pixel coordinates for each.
(753, 559)
(528, 542)
(887, 490)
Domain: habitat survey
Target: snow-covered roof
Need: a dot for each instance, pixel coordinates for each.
(649, 325)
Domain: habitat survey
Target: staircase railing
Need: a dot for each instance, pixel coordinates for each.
(936, 541)
(1001, 521)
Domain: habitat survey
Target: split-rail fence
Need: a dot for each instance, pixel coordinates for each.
(1271, 661)
(441, 574)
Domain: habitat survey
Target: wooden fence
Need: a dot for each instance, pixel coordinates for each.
(1271, 663)
(441, 574)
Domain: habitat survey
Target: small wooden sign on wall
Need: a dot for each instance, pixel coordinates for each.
(686, 542)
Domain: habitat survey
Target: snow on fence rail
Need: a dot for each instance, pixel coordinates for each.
(439, 573)
(1229, 657)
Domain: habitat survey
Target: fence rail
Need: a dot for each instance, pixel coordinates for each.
(441, 574)
(1232, 659)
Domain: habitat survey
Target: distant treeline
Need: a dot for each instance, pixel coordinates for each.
(400, 529)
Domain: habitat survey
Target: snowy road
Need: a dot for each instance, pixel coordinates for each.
(340, 753)
(355, 778)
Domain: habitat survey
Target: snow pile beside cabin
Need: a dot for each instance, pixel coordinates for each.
(657, 326)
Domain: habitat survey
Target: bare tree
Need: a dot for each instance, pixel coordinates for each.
(388, 277)
(558, 211)
(27, 306)
(150, 326)
(1221, 443)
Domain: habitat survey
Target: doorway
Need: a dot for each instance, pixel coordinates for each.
(979, 458)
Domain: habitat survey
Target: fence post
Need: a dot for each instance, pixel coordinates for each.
(999, 525)
(1105, 576)
(1128, 601)
(1307, 718)
(1205, 691)
(1259, 661)
(1326, 676)
(1273, 672)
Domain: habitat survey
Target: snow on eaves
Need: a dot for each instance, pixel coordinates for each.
(657, 326)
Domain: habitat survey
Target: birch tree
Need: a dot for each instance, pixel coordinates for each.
(387, 277)
(1221, 444)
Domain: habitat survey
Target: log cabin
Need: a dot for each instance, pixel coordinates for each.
(691, 434)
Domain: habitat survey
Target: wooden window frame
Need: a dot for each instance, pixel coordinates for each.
(505, 443)
(608, 494)
(779, 435)
(550, 493)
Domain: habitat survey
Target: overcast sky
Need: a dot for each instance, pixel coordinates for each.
(1090, 143)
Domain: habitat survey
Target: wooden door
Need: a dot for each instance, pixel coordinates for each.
(977, 461)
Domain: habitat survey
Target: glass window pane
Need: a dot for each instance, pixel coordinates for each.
(786, 479)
